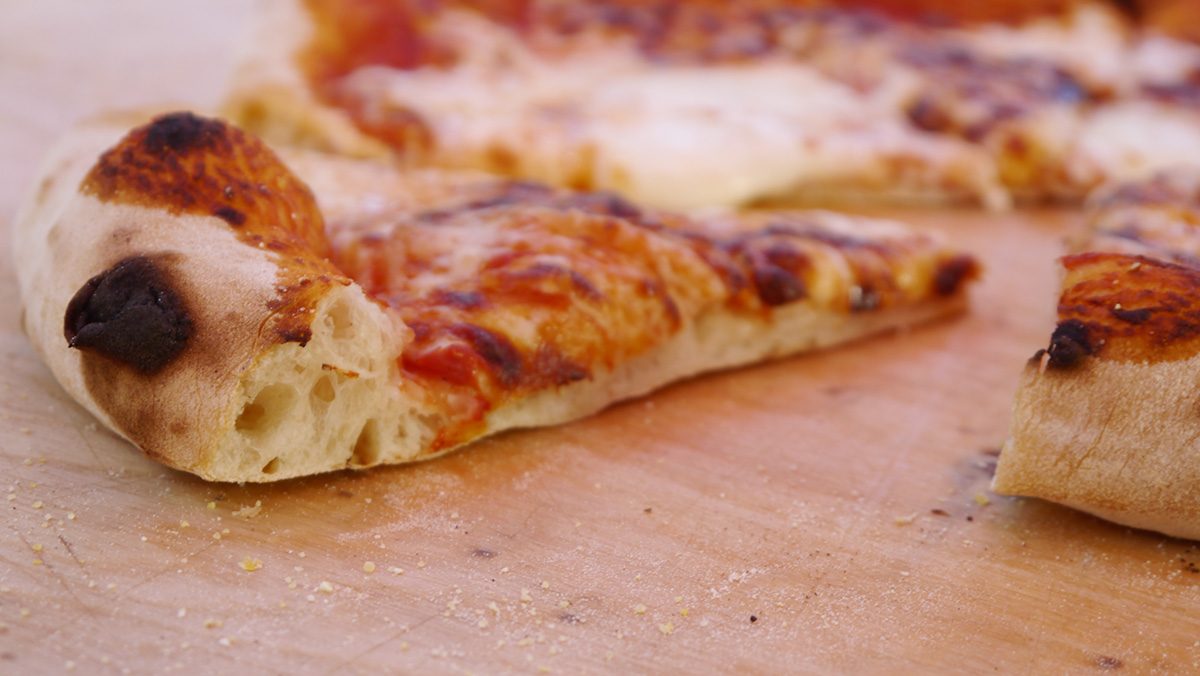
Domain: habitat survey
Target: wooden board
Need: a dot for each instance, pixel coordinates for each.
(824, 513)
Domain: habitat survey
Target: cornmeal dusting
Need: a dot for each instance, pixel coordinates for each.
(249, 511)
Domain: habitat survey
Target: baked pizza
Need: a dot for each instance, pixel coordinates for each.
(250, 315)
(1107, 417)
(694, 103)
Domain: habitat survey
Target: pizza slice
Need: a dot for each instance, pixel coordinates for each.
(687, 104)
(678, 105)
(1107, 417)
(248, 317)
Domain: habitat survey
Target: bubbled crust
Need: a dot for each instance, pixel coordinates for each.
(185, 164)
(1126, 308)
(184, 218)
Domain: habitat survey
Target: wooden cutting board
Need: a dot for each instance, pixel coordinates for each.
(824, 513)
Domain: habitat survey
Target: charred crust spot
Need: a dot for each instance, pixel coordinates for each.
(864, 298)
(1139, 316)
(130, 313)
(463, 300)
(230, 215)
(496, 350)
(182, 132)
(1069, 344)
(551, 367)
(777, 286)
(952, 273)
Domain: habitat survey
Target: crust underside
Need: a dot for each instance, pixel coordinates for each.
(1118, 440)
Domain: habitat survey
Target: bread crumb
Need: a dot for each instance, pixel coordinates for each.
(396, 571)
(564, 604)
(525, 597)
(70, 516)
(250, 565)
(37, 547)
(684, 612)
(483, 623)
(249, 512)
(639, 609)
(504, 570)
(37, 562)
(545, 584)
(420, 564)
(182, 612)
(37, 504)
(25, 612)
(905, 520)
(212, 624)
(368, 567)
(666, 628)
(325, 587)
(212, 505)
(982, 500)
(216, 535)
(225, 641)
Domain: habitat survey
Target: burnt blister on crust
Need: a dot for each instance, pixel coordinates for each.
(1069, 344)
(129, 313)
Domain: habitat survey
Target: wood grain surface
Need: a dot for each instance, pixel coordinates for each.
(828, 513)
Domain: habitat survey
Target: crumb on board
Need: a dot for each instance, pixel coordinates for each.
(70, 516)
(212, 504)
(249, 511)
(250, 564)
(639, 609)
(905, 519)
(368, 567)
(184, 524)
(667, 628)
(396, 570)
(37, 547)
(325, 587)
(982, 500)
(211, 623)
(38, 504)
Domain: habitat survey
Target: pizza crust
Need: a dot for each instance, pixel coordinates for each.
(1115, 439)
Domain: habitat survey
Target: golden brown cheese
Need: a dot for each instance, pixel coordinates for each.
(530, 288)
